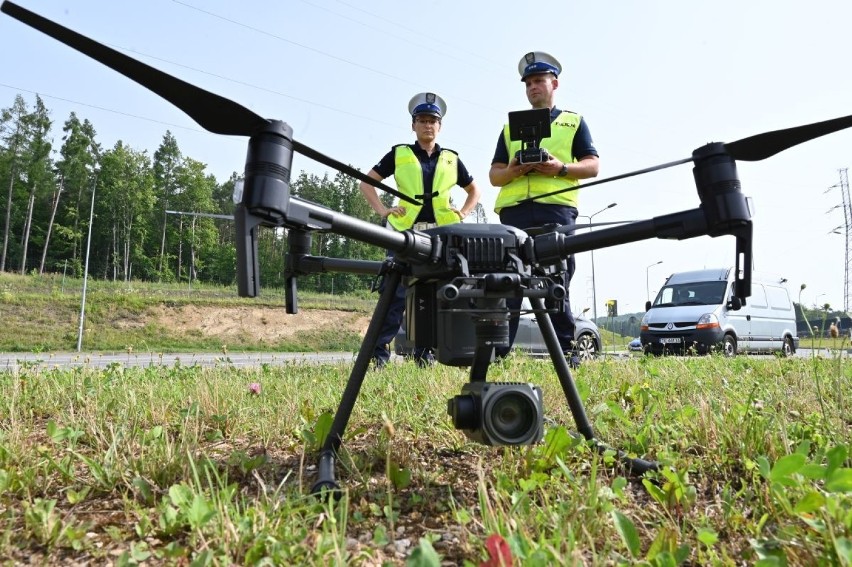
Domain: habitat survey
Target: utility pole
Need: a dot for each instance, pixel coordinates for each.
(847, 231)
(86, 268)
(847, 218)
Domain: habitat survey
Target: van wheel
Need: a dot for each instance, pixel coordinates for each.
(586, 347)
(730, 346)
(787, 348)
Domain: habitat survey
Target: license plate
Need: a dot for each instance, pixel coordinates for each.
(669, 340)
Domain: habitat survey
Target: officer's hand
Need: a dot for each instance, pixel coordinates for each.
(518, 169)
(397, 211)
(549, 168)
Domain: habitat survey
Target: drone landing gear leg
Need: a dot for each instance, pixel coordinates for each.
(325, 473)
(572, 395)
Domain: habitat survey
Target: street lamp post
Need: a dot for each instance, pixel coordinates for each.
(86, 266)
(592, 252)
(802, 307)
(647, 288)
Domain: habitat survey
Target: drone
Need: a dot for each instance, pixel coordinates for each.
(458, 277)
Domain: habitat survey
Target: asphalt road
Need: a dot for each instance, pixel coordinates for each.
(12, 361)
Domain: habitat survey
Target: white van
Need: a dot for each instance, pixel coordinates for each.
(694, 312)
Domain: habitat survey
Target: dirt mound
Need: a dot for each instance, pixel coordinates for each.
(269, 323)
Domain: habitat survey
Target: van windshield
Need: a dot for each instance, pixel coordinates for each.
(693, 293)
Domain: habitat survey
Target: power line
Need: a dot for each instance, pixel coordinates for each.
(475, 103)
(430, 46)
(291, 42)
(253, 86)
(54, 97)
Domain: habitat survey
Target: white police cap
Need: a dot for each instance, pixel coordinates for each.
(427, 103)
(536, 62)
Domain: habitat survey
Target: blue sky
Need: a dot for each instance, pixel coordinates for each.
(654, 80)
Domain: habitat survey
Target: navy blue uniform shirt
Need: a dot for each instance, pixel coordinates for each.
(387, 166)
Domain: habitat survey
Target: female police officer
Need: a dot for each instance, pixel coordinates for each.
(425, 171)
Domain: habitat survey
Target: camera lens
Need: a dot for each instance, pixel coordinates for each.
(463, 411)
(511, 418)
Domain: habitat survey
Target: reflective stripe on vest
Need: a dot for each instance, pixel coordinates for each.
(559, 144)
(409, 181)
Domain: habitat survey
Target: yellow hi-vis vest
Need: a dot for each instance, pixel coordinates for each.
(559, 144)
(409, 181)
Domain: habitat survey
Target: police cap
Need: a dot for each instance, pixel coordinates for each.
(536, 62)
(427, 103)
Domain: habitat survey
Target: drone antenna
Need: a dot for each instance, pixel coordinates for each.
(349, 170)
(608, 179)
(752, 148)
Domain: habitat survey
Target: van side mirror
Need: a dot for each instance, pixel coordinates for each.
(647, 306)
(735, 304)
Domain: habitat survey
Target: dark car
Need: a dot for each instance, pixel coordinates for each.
(529, 338)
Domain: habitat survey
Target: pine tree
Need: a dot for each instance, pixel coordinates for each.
(39, 171)
(479, 214)
(79, 157)
(167, 160)
(15, 136)
(126, 199)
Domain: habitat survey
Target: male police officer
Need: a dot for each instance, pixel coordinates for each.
(425, 171)
(572, 157)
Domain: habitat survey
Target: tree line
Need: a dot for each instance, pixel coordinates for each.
(143, 210)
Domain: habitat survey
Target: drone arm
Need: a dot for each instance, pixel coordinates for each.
(323, 264)
(552, 247)
(413, 246)
(299, 262)
(303, 264)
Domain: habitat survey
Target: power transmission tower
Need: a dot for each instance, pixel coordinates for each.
(847, 221)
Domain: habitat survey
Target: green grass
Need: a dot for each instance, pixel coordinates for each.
(185, 465)
(42, 313)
